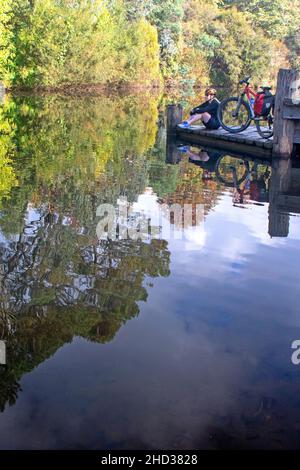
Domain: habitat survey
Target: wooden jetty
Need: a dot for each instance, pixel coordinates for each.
(286, 113)
(249, 142)
(284, 190)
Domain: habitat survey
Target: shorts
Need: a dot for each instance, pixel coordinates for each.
(213, 123)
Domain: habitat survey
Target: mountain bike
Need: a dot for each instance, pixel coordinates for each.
(236, 113)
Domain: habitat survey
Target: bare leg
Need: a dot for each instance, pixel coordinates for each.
(200, 157)
(205, 117)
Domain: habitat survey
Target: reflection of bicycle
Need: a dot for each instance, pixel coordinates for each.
(249, 182)
(232, 171)
(236, 113)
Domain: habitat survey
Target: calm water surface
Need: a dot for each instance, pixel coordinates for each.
(181, 340)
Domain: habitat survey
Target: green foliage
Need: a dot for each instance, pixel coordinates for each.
(167, 17)
(17, 48)
(137, 9)
(59, 43)
(277, 18)
(242, 50)
(77, 143)
(230, 42)
(293, 43)
(277, 21)
(8, 178)
(162, 178)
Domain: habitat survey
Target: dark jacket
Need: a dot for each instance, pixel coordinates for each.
(206, 107)
(209, 165)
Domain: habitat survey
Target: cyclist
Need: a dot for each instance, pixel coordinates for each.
(207, 112)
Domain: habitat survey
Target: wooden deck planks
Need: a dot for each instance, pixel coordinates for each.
(248, 140)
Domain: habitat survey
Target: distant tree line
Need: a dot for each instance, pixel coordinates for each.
(62, 42)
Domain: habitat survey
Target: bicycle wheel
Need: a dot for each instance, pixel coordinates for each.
(234, 115)
(264, 126)
(231, 171)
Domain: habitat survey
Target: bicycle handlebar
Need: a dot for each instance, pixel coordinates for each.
(245, 80)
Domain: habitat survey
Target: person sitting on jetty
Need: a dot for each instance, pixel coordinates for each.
(207, 112)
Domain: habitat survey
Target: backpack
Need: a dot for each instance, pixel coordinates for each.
(264, 103)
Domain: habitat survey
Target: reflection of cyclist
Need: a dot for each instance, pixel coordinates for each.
(259, 185)
(202, 159)
(241, 192)
(206, 159)
(253, 188)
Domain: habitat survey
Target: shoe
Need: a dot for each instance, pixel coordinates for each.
(183, 148)
(184, 125)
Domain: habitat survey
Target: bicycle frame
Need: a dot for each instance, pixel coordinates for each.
(248, 92)
(241, 122)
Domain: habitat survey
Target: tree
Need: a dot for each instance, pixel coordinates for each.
(167, 17)
(242, 51)
(87, 41)
(17, 48)
(277, 18)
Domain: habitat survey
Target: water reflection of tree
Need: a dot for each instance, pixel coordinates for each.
(57, 280)
(192, 189)
(47, 143)
(179, 184)
(162, 178)
(59, 284)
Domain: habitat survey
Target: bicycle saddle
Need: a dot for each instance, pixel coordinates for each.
(266, 88)
(245, 80)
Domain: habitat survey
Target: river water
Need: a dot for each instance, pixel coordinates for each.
(177, 330)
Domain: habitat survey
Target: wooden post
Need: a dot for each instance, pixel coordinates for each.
(173, 156)
(174, 117)
(280, 182)
(284, 129)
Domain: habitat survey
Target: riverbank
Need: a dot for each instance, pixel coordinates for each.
(86, 89)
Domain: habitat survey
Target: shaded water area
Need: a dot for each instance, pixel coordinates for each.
(181, 339)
